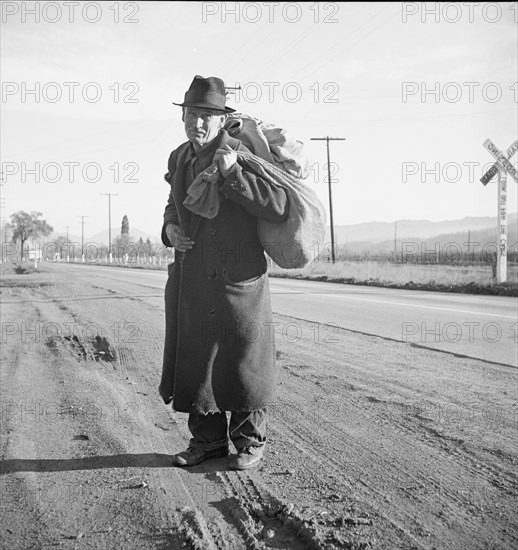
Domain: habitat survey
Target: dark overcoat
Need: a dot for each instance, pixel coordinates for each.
(219, 352)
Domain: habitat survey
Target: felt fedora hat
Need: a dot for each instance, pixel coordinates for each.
(206, 93)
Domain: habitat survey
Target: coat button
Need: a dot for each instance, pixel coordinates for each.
(212, 232)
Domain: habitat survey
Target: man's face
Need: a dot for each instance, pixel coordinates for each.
(202, 125)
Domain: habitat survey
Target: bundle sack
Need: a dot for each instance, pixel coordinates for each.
(281, 161)
(292, 243)
(271, 143)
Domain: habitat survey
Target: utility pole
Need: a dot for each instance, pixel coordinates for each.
(327, 139)
(110, 195)
(231, 89)
(469, 245)
(83, 237)
(395, 241)
(68, 249)
(2, 206)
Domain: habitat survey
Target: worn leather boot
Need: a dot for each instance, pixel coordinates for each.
(191, 456)
(246, 458)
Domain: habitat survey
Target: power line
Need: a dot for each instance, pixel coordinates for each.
(310, 62)
(397, 120)
(327, 139)
(248, 41)
(364, 36)
(285, 50)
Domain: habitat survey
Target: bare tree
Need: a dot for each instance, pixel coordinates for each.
(27, 226)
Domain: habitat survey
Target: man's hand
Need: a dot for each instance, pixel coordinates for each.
(177, 239)
(226, 159)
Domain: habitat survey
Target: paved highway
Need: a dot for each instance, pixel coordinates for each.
(483, 327)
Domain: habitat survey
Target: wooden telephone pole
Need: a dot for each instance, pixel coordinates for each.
(83, 237)
(327, 139)
(110, 195)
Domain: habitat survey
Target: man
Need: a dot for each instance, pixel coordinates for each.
(219, 352)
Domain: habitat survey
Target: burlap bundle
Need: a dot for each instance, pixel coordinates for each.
(280, 161)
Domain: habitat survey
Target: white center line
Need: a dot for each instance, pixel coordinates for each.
(419, 306)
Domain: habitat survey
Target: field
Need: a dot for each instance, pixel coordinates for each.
(423, 276)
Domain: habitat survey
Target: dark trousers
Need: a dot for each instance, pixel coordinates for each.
(247, 429)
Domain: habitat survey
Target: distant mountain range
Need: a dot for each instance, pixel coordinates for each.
(478, 241)
(378, 236)
(375, 232)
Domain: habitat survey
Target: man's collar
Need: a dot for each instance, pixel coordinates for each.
(204, 151)
(222, 139)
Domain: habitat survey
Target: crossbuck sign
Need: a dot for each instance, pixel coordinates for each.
(502, 167)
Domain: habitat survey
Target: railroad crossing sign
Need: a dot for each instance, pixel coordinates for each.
(502, 167)
(502, 161)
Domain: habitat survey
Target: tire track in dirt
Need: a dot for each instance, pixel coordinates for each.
(266, 517)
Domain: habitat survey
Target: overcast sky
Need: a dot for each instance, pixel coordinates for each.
(414, 92)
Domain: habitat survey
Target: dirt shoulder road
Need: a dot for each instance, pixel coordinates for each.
(372, 443)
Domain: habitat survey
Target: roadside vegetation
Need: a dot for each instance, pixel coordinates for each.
(474, 278)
